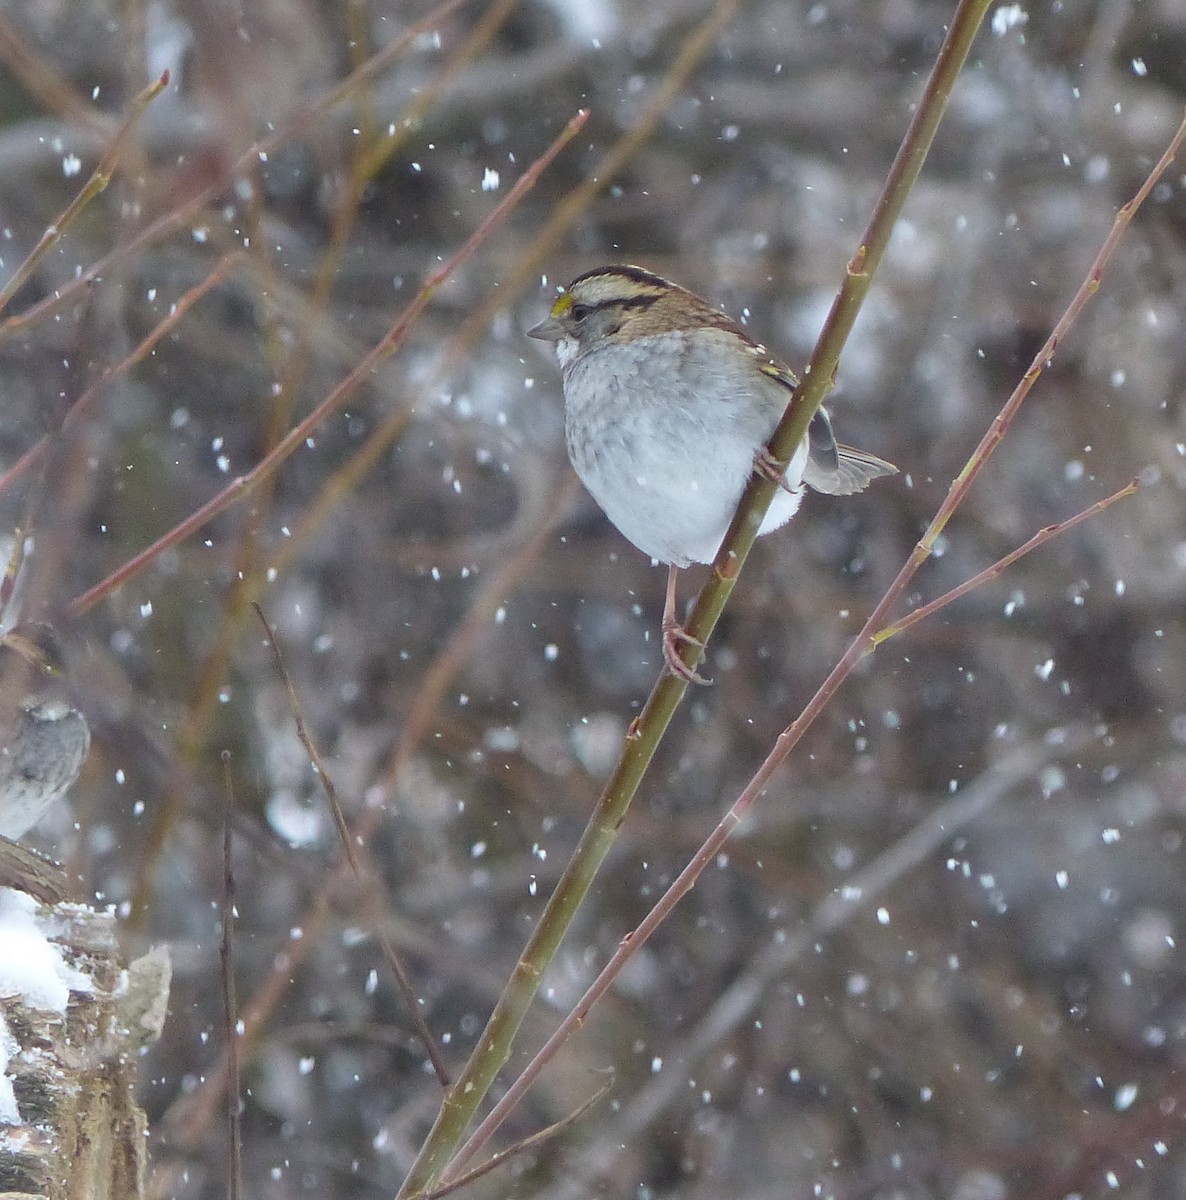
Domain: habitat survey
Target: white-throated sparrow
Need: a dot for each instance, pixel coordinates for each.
(668, 408)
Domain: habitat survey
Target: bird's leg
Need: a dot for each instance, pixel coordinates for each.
(766, 465)
(674, 634)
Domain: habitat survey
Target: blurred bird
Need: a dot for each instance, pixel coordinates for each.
(43, 738)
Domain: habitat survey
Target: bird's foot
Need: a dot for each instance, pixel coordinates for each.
(674, 636)
(766, 465)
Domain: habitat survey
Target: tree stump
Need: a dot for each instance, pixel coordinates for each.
(72, 1023)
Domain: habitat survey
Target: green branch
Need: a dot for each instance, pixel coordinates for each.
(646, 731)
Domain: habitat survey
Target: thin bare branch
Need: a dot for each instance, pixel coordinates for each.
(244, 485)
(1039, 539)
(181, 216)
(162, 329)
(862, 645)
(646, 731)
(403, 980)
(523, 1147)
(93, 187)
(230, 1001)
(839, 907)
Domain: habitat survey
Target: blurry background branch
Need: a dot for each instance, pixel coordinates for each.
(1048, 925)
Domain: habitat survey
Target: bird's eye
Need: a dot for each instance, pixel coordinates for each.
(580, 311)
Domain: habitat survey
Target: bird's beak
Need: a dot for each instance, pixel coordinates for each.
(547, 331)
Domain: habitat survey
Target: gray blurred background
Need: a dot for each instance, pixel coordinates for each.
(1005, 1016)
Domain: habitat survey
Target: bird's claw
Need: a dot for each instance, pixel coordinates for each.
(675, 635)
(766, 465)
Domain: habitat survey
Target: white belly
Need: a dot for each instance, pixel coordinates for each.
(668, 467)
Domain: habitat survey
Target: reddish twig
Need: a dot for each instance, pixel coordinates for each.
(93, 187)
(861, 646)
(177, 313)
(296, 437)
(1040, 538)
(181, 216)
(230, 1002)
